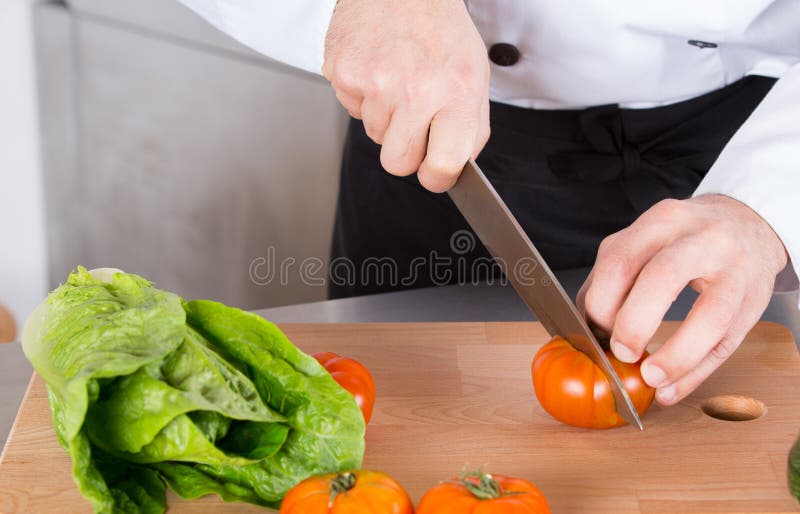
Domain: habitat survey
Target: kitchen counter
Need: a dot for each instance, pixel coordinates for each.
(459, 394)
(480, 302)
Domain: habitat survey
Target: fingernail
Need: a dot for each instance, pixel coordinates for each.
(666, 394)
(622, 352)
(653, 375)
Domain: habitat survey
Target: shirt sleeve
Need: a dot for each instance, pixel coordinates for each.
(292, 32)
(760, 166)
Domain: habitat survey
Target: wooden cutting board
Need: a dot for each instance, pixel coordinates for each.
(459, 394)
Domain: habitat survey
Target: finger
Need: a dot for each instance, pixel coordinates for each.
(484, 130)
(600, 333)
(675, 392)
(376, 116)
(351, 102)
(622, 256)
(619, 260)
(656, 286)
(405, 141)
(580, 299)
(450, 145)
(744, 321)
(707, 323)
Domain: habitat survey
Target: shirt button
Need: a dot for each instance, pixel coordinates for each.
(701, 44)
(504, 54)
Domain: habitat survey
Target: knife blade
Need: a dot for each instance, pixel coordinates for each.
(529, 274)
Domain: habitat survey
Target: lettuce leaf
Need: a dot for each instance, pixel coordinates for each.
(294, 384)
(147, 390)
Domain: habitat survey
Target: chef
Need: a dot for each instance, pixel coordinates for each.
(658, 141)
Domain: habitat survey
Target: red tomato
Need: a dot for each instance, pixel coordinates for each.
(572, 389)
(323, 357)
(354, 377)
(481, 493)
(351, 492)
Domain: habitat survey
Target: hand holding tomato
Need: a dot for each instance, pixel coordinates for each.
(713, 243)
(479, 492)
(353, 376)
(350, 492)
(572, 389)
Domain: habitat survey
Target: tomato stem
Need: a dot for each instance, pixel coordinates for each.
(482, 485)
(342, 483)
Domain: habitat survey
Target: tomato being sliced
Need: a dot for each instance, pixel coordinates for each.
(572, 389)
(350, 492)
(353, 376)
(482, 493)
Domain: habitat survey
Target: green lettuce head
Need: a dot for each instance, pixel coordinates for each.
(147, 390)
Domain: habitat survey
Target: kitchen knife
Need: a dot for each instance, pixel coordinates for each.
(530, 275)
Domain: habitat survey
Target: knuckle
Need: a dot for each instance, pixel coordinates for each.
(629, 330)
(596, 308)
(596, 313)
(465, 79)
(667, 209)
(719, 312)
(606, 244)
(615, 263)
(580, 300)
(722, 350)
(461, 84)
(373, 132)
(444, 165)
(688, 383)
(415, 91)
(666, 269)
(473, 72)
(380, 82)
(726, 244)
(466, 71)
(344, 77)
(399, 163)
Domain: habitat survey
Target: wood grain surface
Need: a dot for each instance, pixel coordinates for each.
(459, 394)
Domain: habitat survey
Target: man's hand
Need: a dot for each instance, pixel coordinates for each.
(417, 73)
(715, 244)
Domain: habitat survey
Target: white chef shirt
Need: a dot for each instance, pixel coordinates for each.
(581, 53)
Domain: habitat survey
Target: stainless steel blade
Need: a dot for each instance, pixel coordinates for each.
(530, 275)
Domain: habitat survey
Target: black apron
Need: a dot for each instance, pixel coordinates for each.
(570, 177)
